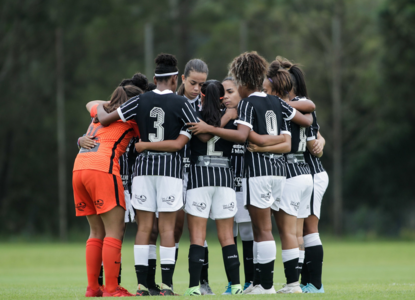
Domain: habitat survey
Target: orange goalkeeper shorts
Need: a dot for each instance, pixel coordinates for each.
(96, 192)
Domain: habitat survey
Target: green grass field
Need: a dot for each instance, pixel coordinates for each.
(352, 270)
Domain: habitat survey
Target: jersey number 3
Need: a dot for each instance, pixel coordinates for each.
(158, 113)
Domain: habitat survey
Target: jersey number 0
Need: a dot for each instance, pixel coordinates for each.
(271, 120)
(158, 113)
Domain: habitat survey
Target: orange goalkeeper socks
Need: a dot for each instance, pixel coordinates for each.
(93, 261)
(111, 256)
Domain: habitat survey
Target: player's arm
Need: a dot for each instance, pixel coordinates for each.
(106, 118)
(230, 114)
(316, 146)
(238, 136)
(163, 146)
(284, 147)
(92, 103)
(86, 142)
(306, 106)
(291, 114)
(265, 139)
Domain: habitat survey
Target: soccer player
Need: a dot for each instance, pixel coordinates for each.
(157, 184)
(259, 114)
(98, 195)
(313, 262)
(242, 219)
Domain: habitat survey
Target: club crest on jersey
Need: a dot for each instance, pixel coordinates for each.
(266, 196)
(141, 198)
(230, 206)
(169, 200)
(200, 206)
(296, 205)
(99, 203)
(81, 206)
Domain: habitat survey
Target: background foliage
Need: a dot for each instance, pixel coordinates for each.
(104, 42)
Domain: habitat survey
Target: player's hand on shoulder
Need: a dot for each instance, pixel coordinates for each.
(140, 146)
(317, 147)
(200, 127)
(87, 142)
(232, 113)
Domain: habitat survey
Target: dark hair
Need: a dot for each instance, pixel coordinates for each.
(120, 96)
(151, 86)
(249, 70)
(280, 78)
(297, 76)
(165, 63)
(138, 79)
(193, 65)
(212, 90)
(229, 79)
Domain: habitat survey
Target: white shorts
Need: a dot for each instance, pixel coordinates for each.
(296, 196)
(263, 191)
(321, 182)
(185, 180)
(129, 210)
(242, 215)
(214, 201)
(157, 193)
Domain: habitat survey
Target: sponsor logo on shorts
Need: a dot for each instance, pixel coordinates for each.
(230, 206)
(81, 206)
(169, 200)
(199, 205)
(308, 206)
(266, 196)
(141, 198)
(296, 205)
(99, 203)
(233, 256)
(238, 181)
(278, 200)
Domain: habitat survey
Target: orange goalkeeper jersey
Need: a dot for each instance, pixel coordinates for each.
(112, 142)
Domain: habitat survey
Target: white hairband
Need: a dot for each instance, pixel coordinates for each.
(166, 74)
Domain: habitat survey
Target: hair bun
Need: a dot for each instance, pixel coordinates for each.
(274, 68)
(140, 80)
(166, 60)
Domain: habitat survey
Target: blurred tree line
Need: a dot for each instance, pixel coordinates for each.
(104, 42)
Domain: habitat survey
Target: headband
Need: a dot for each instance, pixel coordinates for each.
(269, 78)
(166, 74)
(205, 96)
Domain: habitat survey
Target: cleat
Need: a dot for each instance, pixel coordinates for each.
(291, 288)
(205, 288)
(93, 293)
(249, 288)
(142, 291)
(236, 289)
(165, 290)
(193, 291)
(302, 286)
(228, 290)
(119, 292)
(259, 290)
(310, 288)
(247, 285)
(154, 290)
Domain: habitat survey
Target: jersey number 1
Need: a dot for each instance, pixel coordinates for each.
(158, 113)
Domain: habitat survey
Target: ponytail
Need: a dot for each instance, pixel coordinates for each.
(180, 91)
(213, 91)
(280, 79)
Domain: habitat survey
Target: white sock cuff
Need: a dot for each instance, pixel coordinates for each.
(205, 244)
(290, 254)
(255, 252)
(176, 245)
(311, 240)
(152, 252)
(267, 252)
(301, 257)
(141, 255)
(167, 255)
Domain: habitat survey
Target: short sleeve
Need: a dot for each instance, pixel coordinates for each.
(286, 127)
(188, 114)
(245, 114)
(185, 131)
(94, 111)
(288, 112)
(128, 110)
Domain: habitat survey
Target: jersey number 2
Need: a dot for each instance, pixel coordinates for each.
(158, 113)
(211, 147)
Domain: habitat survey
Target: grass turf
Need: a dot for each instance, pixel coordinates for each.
(352, 270)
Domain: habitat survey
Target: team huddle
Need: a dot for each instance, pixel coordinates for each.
(240, 152)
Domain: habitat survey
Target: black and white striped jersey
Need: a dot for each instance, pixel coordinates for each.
(196, 104)
(314, 162)
(127, 161)
(216, 149)
(237, 164)
(160, 116)
(265, 114)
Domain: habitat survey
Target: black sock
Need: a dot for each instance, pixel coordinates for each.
(151, 274)
(248, 253)
(299, 269)
(267, 274)
(314, 263)
(101, 276)
(226, 271)
(257, 275)
(141, 273)
(304, 272)
(176, 254)
(196, 259)
(290, 270)
(204, 274)
(167, 274)
(119, 275)
(231, 259)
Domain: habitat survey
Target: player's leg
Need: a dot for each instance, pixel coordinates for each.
(153, 288)
(247, 237)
